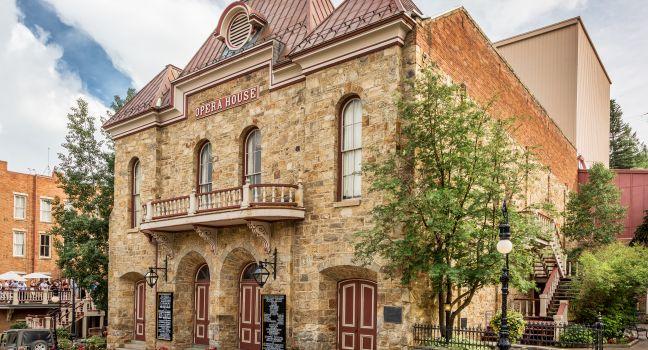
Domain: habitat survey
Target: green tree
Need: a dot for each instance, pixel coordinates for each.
(443, 185)
(641, 234)
(119, 102)
(86, 177)
(626, 151)
(609, 282)
(594, 214)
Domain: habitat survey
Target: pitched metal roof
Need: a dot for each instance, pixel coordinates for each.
(147, 99)
(352, 16)
(288, 21)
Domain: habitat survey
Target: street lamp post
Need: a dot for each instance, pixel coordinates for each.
(504, 246)
(56, 299)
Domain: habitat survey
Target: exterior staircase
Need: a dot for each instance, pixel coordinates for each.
(133, 345)
(564, 292)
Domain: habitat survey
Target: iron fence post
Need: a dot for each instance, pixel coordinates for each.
(599, 332)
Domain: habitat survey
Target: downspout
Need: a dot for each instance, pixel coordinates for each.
(33, 224)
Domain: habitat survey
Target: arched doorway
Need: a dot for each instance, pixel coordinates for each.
(140, 310)
(357, 314)
(201, 306)
(250, 310)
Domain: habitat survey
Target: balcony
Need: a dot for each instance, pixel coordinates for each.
(30, 299)
(227, 207)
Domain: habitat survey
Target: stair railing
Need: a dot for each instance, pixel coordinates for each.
(548, 292)
(556, 242)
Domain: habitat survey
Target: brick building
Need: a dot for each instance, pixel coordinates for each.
(25, 245)
(249, 148)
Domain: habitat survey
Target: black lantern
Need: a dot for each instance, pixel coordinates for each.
(504, 246)
(261, 273)
(152, 275)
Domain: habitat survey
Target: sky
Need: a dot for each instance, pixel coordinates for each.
(56, 51)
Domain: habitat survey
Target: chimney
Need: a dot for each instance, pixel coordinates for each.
(3, 165)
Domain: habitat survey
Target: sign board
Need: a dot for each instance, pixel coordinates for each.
(165, 316)
(273, 331)
(393, 314)
(226, 102)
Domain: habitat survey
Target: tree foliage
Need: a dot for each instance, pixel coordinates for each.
(594, 214)
(609, 282)
(442, 186)
(86, 177)
(626, 151)
(641, 234)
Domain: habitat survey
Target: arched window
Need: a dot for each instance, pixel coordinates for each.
(205, 169)
(351, 149)
(252, 161)
(136, 201)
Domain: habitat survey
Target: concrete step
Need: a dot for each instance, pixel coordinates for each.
(135, 345)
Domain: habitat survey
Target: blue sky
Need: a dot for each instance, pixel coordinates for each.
(56, 51)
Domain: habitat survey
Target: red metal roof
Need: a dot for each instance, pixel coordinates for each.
(352, 16)
(147, 98)
(288, 21)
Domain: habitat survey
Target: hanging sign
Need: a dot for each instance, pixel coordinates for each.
(165, 316)
(226, 102)
(274, 322)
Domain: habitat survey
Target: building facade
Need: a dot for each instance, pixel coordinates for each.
(257, 145)
(561, 66)
(26, 202)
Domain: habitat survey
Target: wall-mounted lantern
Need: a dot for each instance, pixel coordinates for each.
(152, 275)
(261, 274)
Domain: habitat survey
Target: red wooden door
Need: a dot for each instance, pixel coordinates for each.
(250, 311)
(357, 315)
(140, 310)
(201, 307)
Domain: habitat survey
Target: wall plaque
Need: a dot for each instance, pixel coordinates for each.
(165, 316)
(393, 314)
(226, 102)
(274, 322)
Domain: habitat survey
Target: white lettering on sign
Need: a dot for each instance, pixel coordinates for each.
(227, 102)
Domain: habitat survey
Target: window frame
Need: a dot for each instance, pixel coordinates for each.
(41, 246)
(341, 151)
(248, 135)
(200, 164)
(135, 189)
(24, 209)
(40, 209)
(16, 232)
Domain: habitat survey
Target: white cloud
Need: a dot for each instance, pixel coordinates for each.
(34, 96)
(143, 36)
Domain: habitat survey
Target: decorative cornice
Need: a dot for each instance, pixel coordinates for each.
(262, 230)
(209, 235)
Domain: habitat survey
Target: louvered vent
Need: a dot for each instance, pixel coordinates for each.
(239, 31)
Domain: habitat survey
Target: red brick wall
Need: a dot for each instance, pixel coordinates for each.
(487, 76)
(35, 187)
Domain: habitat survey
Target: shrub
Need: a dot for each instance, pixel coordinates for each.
(614, 325)
(62, 333)
(576, 336)
(95, 343)
(19, 325)
(516, 325)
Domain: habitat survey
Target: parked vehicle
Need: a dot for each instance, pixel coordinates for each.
(27, 339)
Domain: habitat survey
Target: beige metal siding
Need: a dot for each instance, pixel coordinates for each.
(548, 65)
(593, 105)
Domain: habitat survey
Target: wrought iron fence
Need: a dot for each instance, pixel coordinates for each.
(427, 336)
(573, 335)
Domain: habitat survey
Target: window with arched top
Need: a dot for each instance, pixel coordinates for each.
(350, 172)
(252, 159)
(205, 168)
(136, 186)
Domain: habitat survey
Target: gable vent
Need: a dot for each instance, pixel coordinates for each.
(238, 32)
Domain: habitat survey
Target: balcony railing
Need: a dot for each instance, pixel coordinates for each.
(269, 202)
(26, 297)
